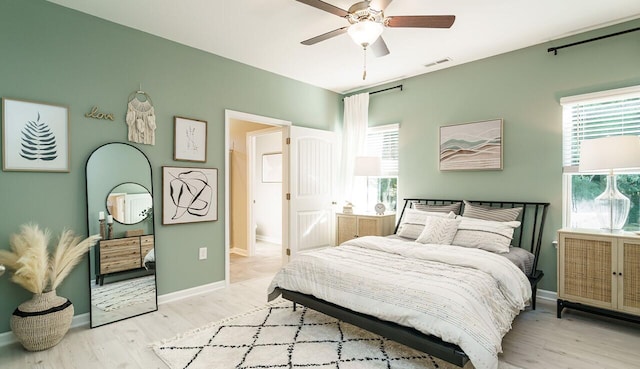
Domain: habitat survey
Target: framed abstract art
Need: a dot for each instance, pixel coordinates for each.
(189, 195)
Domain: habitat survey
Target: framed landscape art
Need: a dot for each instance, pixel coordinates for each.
(189, 195)
(35, 136)
(471, 146)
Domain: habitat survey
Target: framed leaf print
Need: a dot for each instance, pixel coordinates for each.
(35, 136)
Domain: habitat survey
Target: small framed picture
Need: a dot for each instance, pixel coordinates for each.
(190, 140)
(35, 136)
(272, 167)
(471, 146)
(189, 195)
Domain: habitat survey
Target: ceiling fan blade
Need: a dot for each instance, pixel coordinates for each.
(379, 4)
(379, 47)
(421, 21)
(324, 36)
(326, 7)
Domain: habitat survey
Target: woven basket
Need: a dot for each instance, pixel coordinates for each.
(41, 322)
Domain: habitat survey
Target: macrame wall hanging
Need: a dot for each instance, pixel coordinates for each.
(141, 118)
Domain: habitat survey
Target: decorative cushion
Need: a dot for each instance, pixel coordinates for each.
(485, 234)
(439, 230)
(489, 213)
(455, 207)
(413, 221)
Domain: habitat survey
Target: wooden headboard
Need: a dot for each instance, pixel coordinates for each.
(528, 236)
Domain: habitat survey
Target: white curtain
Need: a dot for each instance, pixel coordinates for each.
(354, 135)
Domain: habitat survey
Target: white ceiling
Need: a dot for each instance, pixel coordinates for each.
(267, 33)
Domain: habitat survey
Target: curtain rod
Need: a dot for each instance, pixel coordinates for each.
(555, 49)
(386, 89)
(383, 90)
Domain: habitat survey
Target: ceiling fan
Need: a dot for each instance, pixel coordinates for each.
(367, 21)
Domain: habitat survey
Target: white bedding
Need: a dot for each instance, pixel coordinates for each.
(465, 296)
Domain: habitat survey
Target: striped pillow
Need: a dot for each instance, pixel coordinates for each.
(489, 213)
(485, 234)
(455, 207)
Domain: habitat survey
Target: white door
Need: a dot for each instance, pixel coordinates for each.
(312, 157)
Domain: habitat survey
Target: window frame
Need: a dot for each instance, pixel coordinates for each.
(370, 150)
(569, 166)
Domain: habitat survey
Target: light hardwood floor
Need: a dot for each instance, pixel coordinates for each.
(537, 340)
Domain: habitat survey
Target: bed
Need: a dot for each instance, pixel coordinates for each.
(471, 296)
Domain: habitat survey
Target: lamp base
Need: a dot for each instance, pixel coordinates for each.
(612, 206)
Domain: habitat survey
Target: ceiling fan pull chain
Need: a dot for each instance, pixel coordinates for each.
(364, 73)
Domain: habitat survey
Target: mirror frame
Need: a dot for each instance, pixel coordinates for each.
(106, 201)
(92, 219)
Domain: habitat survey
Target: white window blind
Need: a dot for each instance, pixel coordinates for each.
(383, 141)
(607, 113)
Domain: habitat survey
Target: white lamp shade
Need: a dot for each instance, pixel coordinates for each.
(368, 166)
(614, 153)
(365, 33)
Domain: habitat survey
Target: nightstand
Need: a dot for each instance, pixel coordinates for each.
(349, 226)
(599, 272)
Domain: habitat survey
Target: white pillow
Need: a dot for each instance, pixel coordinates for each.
(412, 222)
(440, 231)
(485, 234)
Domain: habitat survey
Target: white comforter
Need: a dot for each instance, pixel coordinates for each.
(468, 297)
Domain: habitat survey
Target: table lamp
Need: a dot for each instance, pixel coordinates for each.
(608, 155)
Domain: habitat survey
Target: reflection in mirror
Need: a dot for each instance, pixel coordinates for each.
(122, 269)
(129, 203)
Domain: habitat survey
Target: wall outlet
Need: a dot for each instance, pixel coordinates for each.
(202, 255)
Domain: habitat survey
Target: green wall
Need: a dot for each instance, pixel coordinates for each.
(57, 55)
(523, 88)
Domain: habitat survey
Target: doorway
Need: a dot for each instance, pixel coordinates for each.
(253, 196)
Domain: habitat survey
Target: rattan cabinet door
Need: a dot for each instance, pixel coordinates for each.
(629, 280)
(346, 228)
(586, 270)
(368, 226)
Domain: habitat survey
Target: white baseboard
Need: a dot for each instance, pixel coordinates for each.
(547, 295)
(237, 251)
(189, 292)
(82, 320)
(7, 338)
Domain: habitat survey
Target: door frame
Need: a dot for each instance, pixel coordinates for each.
(251, 179)
(230, 115)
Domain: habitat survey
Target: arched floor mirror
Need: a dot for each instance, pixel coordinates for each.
(122, 270)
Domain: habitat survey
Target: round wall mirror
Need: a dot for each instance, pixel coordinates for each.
(129, 203)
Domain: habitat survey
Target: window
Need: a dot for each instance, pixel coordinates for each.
(606, 113)
(383, 141)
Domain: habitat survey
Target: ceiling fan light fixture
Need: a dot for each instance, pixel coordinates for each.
(365, 33)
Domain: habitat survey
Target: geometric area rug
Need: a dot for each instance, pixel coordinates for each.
(275, 336)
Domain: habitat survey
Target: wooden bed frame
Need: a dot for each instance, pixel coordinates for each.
(528, 236)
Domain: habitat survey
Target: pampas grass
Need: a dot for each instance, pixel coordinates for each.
(29, 259)
(67, 254)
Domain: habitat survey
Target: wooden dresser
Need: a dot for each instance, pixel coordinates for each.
(599, 272)
(349, 226)
(121, 254)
